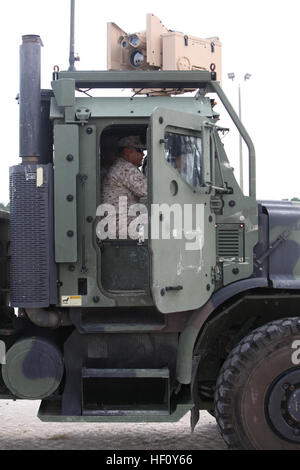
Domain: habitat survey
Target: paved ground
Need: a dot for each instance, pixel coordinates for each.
(21, 429)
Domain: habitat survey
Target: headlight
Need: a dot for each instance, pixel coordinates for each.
(137, 59)
(134, 40)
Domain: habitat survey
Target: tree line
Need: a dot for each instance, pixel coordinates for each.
(4, 207)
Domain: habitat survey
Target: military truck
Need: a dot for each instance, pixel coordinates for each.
(200, 313)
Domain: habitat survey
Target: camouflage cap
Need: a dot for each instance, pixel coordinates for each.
(131, 141)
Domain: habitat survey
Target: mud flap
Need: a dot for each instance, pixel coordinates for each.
(195, 413)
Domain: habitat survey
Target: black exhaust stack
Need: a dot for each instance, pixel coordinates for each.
(30, 98)
(32, 267)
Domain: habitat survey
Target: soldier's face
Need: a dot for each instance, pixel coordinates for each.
(134, 155)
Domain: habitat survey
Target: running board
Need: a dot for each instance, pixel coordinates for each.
(50, 412)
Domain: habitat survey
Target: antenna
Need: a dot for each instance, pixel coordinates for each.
(72, 58)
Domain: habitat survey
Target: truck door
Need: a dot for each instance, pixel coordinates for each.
(182, 227)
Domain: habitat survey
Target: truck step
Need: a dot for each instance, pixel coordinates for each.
(50, 411)
(133, 373)
(117, 322)
(125, 392)
(127, 411)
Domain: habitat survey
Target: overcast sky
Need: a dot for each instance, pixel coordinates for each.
(258, 37)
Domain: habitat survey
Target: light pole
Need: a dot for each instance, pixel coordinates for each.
(247, 76)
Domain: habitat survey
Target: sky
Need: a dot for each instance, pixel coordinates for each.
(258, 37)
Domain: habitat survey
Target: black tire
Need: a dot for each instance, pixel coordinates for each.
(258, 390)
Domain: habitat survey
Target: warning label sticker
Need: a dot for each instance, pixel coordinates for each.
(73, 300)
(29, 175)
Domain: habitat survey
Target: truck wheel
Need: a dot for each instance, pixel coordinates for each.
(257, 398)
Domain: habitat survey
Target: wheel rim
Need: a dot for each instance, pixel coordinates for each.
(282, 405)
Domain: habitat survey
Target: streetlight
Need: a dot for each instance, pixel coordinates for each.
(247, 76)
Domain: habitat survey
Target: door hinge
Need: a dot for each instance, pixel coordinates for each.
(216, 204)
(216, 274)
(83, 115)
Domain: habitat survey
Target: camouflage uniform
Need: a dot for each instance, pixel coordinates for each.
(123, 179)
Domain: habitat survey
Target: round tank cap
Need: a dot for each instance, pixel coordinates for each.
(33, 369)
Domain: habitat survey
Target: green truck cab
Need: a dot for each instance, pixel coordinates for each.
(198, 312)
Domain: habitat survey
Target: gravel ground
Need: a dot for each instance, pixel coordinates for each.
(21, 429)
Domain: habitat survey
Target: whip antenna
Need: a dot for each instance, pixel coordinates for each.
(72, 58)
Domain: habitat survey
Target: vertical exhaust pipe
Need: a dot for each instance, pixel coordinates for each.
(30, 98)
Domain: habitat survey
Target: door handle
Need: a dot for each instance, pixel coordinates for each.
(170, 288)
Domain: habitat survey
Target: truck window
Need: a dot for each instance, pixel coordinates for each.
(184, 152)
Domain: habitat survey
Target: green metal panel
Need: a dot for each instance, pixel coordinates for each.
(138, 79)
(134, 107)
(64, 91)
(85, 264)
(183, 264)
(66, 168)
